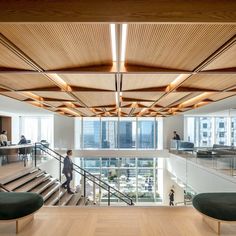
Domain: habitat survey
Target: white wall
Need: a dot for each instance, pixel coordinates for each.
(64, 129)
(170, 124)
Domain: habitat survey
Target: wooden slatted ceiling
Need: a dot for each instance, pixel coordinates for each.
(152, 96)
(55, 95)
(85, 111)
(24, 81)
(219, 96)
(9, 60)
(98, 81)
(138, 81)
(58, 46)
(171, 98)
(213, 81)
(92, 99)
(14, 95)
(226, 60)
(177, 46)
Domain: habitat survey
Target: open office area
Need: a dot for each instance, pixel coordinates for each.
(117, 118)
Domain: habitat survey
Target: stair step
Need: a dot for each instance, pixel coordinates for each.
(46, 184)
(49, 191)
(82, 201)
(74, 200)
(65, 199)
(55, 197)
(23, 180)
(17, 175)
(33, 183)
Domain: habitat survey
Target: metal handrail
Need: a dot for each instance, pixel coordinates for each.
(87, 175)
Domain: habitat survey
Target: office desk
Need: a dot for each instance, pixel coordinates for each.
(12, 151)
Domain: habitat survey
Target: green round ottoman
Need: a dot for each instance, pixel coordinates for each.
(216, 207)
(19, 207)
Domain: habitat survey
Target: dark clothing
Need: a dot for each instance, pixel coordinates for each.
(171, 196)
(67, 171)
(68, 165)
(176, 137)
(23, 141)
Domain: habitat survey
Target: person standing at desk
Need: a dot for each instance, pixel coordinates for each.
(3, 138)
(67, 171)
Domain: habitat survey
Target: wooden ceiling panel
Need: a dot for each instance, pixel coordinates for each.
(9, 60)
(14, 95)
(220, 96)
(226, 60)
(85, 111)
(55, 95)
(92, 99)
(176, 46)
(172, 98)
(97, 81)
(139, 81)
(25, 81)
(211, 81)
(62, 45)
(141, 97)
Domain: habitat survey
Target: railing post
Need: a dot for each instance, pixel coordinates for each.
(109, 196)
(35, 154)
(84, 184)
(60, 170)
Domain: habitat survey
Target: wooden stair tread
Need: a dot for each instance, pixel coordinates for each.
(55, 197)
(25, 179)
(17, 175)
(33, 183)
(49, 191)
(74, 200)
(65, 199)
(46, 184)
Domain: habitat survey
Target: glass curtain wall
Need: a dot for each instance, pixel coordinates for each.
(206, 131)
(118, 133)
(36, 129)
(139, 178)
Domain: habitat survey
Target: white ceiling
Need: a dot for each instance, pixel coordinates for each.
(13, 106)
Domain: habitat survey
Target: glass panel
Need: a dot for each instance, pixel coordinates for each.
(109, 133)
(47, 130)
(205, 131)
(92, 162)
(91, 133)
(145, 162)
(127, 162)
(127, 133)
(221, 130)
(146, 133)
(146, 185)
(30, 128)
(110, 162)
(233, 131)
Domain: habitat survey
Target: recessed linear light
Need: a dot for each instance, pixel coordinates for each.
(123, 42)
(178, 80)
(196, 99)
(113, 41)
(58, 80)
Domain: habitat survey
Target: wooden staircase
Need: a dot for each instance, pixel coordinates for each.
(38, 181)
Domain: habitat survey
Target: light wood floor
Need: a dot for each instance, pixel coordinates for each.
(120, 221)
(13, 168)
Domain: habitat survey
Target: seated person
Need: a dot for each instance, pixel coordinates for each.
(22, 140)
(3, 138)
(176, 136)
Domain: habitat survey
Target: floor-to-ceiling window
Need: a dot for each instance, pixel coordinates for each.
(221, 130)
(91, 133)
(36, 128)
(139, 178)
(146, 133)
(233, 131)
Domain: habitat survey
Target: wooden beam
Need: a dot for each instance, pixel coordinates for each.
(151, 89)
(125, 99)
(191, 89)
(118, 11)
